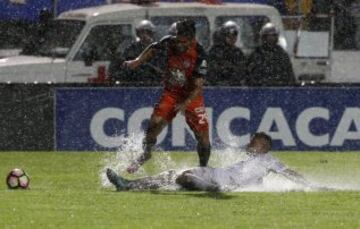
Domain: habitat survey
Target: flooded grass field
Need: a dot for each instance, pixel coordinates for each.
(68, 190)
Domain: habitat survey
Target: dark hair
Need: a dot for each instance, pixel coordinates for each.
(186, 28)
(265, 137)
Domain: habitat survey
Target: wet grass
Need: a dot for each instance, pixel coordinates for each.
(66, 192)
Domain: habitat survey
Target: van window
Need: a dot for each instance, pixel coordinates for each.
(104, 41)
(58, 34)
(250, 27)
(163, 24)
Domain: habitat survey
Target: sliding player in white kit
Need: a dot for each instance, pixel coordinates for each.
(240, 175)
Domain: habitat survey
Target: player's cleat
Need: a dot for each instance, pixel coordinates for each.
(119, 182)
(135, 165)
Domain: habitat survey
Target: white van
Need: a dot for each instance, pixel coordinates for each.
(105, 29)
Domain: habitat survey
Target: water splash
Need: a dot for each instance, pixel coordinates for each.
(226, 157)
(131, 147)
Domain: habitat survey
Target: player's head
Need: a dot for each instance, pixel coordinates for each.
(172, 29)
(269, 34)
(45, 15)
(145, 31)
(259, 143)
(186, 28)
(230, 30)
(185, 34)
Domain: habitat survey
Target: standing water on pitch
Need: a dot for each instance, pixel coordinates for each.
(131, 148)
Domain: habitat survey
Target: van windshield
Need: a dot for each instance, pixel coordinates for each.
(163, 24)
(54, 39)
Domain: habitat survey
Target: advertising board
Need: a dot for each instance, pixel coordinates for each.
(296, 118)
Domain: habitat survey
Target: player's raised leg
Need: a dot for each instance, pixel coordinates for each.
(156, 125)
(163, 113)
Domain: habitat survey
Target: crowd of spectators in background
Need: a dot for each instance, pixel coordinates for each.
(268, 65)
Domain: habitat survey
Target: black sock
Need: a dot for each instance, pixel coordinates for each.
(204, 154)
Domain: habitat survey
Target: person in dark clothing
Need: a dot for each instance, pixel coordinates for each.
(226, 60)
(183, 78)
(37, 37)
(345, 25)
(269, 64)
(146, 74)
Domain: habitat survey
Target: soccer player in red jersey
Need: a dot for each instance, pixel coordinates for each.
(183, 80)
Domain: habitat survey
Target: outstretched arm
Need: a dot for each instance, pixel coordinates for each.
(299, 179)
(296, 177)
(144, 57)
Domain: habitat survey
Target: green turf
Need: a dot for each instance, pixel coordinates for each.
(66, 192)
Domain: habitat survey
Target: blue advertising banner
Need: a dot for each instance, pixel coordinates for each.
(296, 118)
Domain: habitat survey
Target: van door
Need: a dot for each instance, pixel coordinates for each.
(310, 46)
(102, 43)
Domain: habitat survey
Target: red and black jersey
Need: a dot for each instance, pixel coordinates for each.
(181, 68)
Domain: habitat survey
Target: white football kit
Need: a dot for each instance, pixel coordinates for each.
(244, 173)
